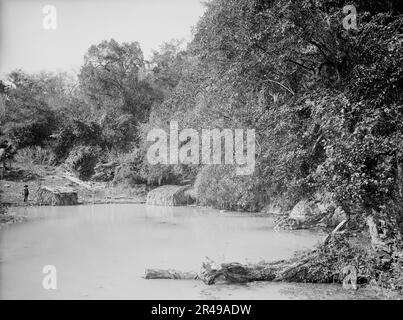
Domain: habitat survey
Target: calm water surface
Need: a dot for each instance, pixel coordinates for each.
(102, 251)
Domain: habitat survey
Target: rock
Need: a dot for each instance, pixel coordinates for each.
(283, 222)
(7, 186)
(273, 208)
(168, 195)
(305, 215)
(56, 196)
(305, 210)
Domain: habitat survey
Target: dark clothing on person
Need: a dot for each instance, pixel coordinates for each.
(26, 194)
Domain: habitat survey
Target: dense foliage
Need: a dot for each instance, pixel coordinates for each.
(325, 102)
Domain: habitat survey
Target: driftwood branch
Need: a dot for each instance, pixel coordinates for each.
(169, 274)
(298, 269)
(337, 229)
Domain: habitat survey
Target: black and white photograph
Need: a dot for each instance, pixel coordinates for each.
(201, 150)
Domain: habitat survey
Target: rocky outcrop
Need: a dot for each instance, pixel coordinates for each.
(273, 208)
(304, 215)
(56, 196)
(308, 214)
(304, 211)
(169, 195)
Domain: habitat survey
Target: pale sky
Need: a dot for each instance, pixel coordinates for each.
(27, 45)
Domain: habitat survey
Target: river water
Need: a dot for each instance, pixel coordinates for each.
(102, 251)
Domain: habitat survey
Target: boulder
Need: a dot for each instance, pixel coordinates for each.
(56, 196)
(273, 208)
(306, 214)
(305, 210)
(169, 195)
(283, 222)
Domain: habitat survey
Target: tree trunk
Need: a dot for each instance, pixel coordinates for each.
(305, 267)
(294, 270)
(399, 160)
(234, 272)
(376, 241)
(169, 274)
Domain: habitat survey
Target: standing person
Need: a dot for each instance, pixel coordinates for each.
(26, 193)
(3, 157)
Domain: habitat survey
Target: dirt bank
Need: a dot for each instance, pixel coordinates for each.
(35, 176)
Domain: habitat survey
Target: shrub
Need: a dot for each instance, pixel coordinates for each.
(73, 132)
(36, 155)
(129, 171)
(168, 174)
(82, 160)
(219, 187)
(28, 124)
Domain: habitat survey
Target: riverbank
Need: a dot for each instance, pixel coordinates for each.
(56, 177)
(37, 176)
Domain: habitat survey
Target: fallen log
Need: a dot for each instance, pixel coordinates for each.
(326, 264)
(105, 171)
(235, 272)
(75, 180)
(338, 227)
(169, 274)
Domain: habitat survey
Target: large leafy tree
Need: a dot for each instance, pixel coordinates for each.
(113, 76)
(27, 118)
(167, 65)
(114, 79)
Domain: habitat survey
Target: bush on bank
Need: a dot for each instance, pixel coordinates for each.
(82, 161)
(220, 187)
(36, 155)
